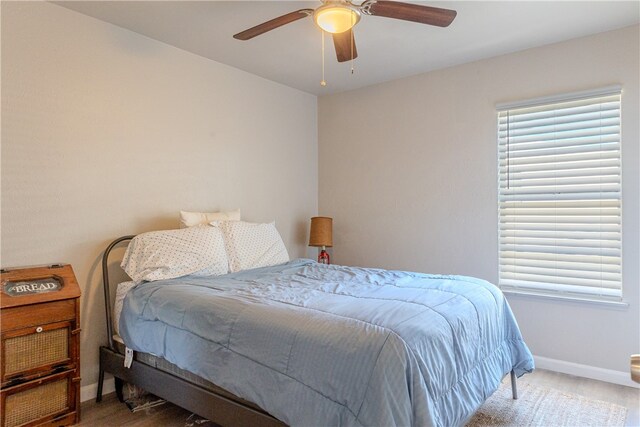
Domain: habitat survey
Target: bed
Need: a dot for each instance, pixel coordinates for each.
(302, 343)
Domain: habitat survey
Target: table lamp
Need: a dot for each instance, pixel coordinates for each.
(321, 235)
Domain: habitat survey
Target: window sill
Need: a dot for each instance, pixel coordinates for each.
(565, 298)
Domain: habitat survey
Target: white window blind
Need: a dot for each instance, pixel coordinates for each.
(560, 196)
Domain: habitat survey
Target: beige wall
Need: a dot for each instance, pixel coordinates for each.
(408, 171)
(106, 133)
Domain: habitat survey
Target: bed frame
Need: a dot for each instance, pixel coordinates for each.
(222, 408)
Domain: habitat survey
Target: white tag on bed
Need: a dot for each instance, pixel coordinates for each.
(128, 357)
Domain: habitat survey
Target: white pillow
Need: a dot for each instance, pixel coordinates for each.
(159, 255)
(189, 219)
(251, 245)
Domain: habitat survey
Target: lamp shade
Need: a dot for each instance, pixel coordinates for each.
(321, 231)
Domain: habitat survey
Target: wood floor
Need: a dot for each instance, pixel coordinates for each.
(113, 413)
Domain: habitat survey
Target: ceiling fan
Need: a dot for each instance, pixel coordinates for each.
(339, 16)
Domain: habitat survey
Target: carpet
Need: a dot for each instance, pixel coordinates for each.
(543, 406)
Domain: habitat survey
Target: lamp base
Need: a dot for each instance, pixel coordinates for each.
(323, 257)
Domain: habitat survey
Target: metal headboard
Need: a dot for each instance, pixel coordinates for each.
(107, 286)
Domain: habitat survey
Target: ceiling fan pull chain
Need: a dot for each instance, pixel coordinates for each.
(351, 30)
(322, 82)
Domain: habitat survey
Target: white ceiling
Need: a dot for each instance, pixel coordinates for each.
(388, 48)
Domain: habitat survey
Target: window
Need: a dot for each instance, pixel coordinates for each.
(560, 196)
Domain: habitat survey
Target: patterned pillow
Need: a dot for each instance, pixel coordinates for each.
(190, 219)
(252, 245)
(167, 254)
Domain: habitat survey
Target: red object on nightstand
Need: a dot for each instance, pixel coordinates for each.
(323, 257)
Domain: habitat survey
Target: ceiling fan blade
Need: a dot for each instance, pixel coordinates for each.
(273, 24)
(343, 43)
(410, 12)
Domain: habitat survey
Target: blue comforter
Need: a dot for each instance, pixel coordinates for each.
(318, 345)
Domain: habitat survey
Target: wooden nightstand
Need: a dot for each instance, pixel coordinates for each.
(40, 346)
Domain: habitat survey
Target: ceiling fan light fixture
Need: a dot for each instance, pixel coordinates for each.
(336, 18)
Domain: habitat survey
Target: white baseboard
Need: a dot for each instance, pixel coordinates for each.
(585, 371)
(89, 392)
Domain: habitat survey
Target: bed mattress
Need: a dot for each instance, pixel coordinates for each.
(121, 292)
(329, 345)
